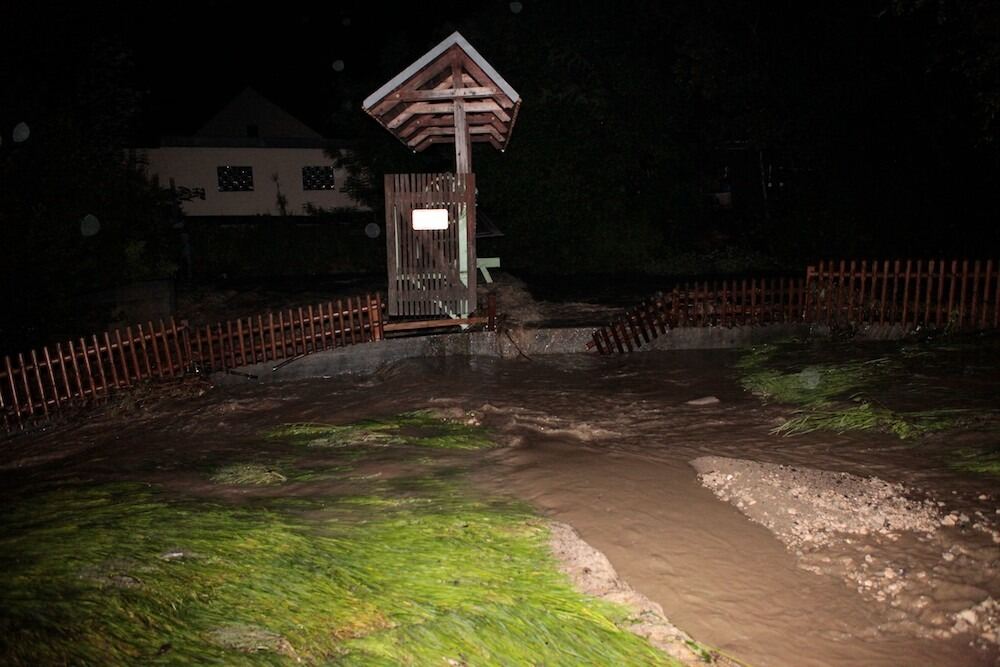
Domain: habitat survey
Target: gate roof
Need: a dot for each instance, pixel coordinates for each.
(418, 104)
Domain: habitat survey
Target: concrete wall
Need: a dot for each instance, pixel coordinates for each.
(525, 343)
(196, 167)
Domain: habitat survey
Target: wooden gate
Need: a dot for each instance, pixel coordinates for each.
(431, 272)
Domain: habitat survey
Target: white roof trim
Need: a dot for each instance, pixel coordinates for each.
(424, 60)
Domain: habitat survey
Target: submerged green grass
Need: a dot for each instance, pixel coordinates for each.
(984, 461)
(118, 574)
(835, 396)
(421, 429)
(866, 416)
(248, 474)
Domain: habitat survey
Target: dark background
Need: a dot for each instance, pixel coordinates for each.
(841, 129)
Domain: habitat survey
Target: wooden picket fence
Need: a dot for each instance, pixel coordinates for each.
(957, 294)
(728, 303)
(952, 294)
(287, 334)
(42, 382)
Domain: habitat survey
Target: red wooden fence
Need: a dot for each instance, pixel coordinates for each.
(90, 369)
(286, 334)
(726, 303)
(957, 294)
(953, 294)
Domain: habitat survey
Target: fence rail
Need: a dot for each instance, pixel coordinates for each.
(88, 370)
(954, 294)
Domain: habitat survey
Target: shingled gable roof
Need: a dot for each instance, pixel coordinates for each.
(417, 105)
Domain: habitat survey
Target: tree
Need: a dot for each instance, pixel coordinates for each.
(73, 90)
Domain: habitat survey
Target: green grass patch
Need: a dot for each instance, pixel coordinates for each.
(421, 429)
(865, 416)
(766, 372)
(248, 474)
(120, 575)
(985, 461)
(837, 396)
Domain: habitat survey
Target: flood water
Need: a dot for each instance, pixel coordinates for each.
(604, 445)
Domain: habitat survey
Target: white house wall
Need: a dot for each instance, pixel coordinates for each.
(197, 167)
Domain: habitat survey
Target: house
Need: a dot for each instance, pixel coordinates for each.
(252, 158)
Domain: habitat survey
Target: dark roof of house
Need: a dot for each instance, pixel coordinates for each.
(251, 120)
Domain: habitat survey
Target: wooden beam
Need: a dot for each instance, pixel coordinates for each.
(446, 120)
(450, 138)
(447, 94)
(463, 146)
(481, 78)
(391, 327)
(430, 141)
(413, 83)
(450, 132)
(446, 107)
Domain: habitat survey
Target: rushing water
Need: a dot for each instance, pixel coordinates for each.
(604, 445)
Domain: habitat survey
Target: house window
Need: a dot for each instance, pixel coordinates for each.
(235, 179)
(317, 178)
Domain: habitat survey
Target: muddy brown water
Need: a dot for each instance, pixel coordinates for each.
(604, 445)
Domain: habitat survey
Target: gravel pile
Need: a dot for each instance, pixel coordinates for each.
(804, 506)
(842, 525)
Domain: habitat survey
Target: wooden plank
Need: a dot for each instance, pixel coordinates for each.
(885, 287)
(100, 365)
(364, 327)
(166, 348)
(13, 389)
(872, 296)
(52, 378)
(596, 341)
(274, 345)
(76, 370)
(862, 313)
(38, 382)
(350, 320)
(312, 327)
(340, 318)
(242, 342)
(394, 327)
(142, 347)
(927, 293)
(111, 361)
(183, 355)
(211, 344)
(29, 401)
(186, 334)
(850, 291)
(974, 299)
(87, 366)
(951, 290)
(906, 294)
(961, 299)
(607, 339)
(996, 301)
(618, 340)
(127, 375)
(940, 293)
(449, 94)
(302, 333)
(984, 318)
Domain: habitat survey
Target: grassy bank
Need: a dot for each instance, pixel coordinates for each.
(408, 571)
